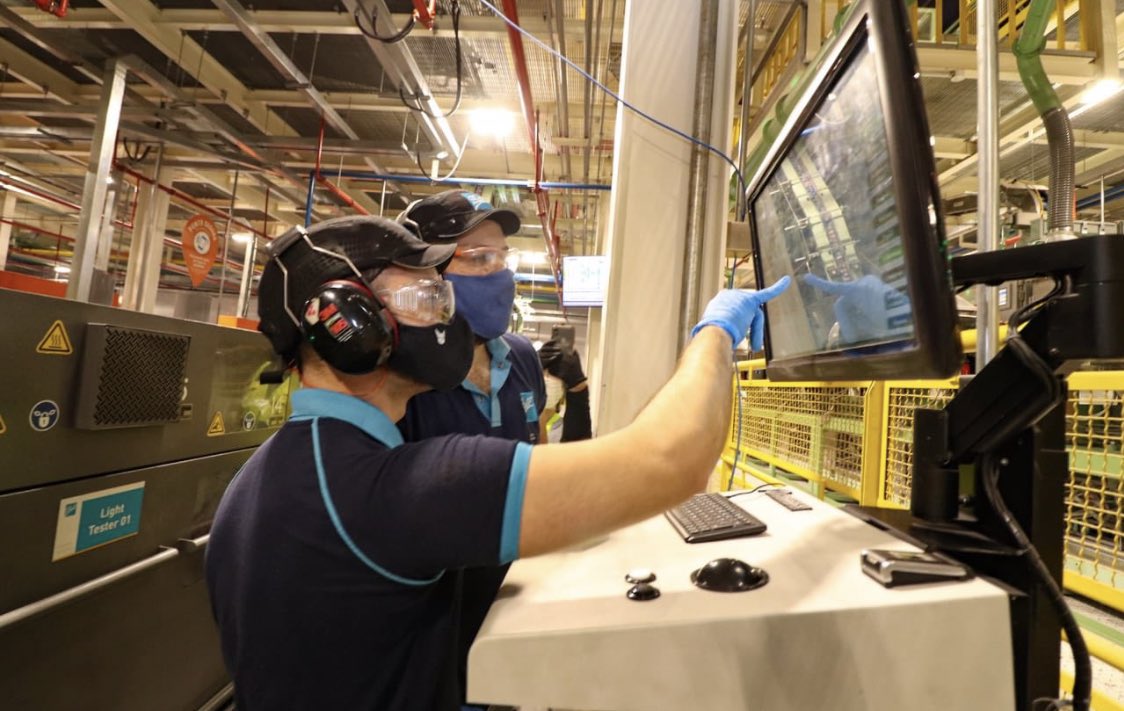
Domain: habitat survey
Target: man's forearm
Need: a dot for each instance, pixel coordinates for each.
(689, 416)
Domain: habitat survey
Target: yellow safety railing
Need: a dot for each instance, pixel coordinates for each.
(856, 439)
(930, 27)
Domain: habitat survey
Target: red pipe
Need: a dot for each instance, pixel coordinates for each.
(425, 12)
(527, 103)
(332, 187)
(185, 198)
(10, 182)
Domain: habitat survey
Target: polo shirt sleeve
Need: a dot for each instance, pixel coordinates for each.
(443, 503)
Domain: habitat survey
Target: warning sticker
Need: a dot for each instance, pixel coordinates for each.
(217, 426)
(56, 342)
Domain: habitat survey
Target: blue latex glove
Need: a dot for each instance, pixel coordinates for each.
(738, 311)
(867, 309)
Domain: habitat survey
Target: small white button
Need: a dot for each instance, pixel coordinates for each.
(640, 575)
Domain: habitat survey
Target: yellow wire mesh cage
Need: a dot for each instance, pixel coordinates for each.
(897, 445)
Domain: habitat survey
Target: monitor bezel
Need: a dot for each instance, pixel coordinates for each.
(935, 352)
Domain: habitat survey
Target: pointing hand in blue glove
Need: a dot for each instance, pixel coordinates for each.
(738, 311)
(866, 309)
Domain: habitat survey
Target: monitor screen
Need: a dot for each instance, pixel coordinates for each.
(828, 218)
(585, 280)
(846, 205)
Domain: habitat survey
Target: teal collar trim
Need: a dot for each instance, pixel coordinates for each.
(313, 402)
(501, 367)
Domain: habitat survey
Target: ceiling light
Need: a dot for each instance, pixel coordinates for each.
(62, 269)
(1101, 91)
(441, 155)
(533, 259)
(492, 122)
(242, 237)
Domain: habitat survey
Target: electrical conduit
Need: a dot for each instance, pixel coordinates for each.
(1059, 133)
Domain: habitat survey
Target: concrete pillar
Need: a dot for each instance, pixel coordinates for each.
(96, 185)
(8, 211)
(648, 206)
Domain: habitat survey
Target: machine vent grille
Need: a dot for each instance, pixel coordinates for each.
(131, 378)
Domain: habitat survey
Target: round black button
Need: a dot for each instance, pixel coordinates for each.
(643, 591)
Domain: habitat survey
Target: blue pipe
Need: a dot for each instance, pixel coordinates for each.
(309, 199)
(1095, 199)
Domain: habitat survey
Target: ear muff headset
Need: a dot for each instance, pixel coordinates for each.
(349, 327)
(345, 323)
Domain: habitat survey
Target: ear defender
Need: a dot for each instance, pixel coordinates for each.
(349, 327)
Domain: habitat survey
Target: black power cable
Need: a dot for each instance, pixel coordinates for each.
(385, 39)
(1083, 669)
(414, 104)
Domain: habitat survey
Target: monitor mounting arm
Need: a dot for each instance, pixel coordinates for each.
(1010, 418)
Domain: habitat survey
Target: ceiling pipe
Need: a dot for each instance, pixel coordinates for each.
(508, 182)
(563, 87)
(11, 182)
(185, 198)
(528, 105)
(315, 177)
(273, 53)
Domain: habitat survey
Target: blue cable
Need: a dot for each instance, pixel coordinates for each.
(667, 127)
(550, 50)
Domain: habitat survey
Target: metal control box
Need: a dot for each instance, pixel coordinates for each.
(119, 432)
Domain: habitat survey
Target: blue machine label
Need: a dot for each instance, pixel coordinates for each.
(44, 415)
(97, 518)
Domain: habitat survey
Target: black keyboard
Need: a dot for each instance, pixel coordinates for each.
(712, 517)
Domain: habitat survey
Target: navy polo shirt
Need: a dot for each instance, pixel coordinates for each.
(336, 555)
(510, 411)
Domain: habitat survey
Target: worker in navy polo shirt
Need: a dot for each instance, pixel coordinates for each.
(336, 554)
(504, 394)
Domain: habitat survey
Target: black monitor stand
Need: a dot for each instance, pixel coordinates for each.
(1011, 415)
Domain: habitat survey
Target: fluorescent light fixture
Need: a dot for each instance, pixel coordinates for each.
(1101, 91)
(513, 261)
(441, 155)
(62, 269)
(533, 259)
(492, 122)
(242, 237)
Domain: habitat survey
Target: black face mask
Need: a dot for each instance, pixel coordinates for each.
(439, 356)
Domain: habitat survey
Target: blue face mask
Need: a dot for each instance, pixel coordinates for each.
(485, 301)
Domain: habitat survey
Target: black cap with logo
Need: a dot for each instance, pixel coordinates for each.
(448, 215)
(300, 261)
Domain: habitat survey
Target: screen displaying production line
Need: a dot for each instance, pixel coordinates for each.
(846, 205)
(831, 207)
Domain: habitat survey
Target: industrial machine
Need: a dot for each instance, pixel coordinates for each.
(119, 432)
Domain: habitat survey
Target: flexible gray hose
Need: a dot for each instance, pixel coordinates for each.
(1059, 132)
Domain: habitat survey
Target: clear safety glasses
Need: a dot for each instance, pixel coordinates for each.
(426, 301)
(484, 260)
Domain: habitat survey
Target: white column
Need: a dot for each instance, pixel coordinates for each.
(648, 206)
(8, 210)
(97, 182)
(153, 254)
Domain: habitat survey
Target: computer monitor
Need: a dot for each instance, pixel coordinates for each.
(846, 203)
(584, 280)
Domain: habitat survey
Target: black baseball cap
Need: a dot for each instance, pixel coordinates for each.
(301, 260)
(450, 214)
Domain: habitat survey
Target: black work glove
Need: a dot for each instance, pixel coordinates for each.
(567, 367)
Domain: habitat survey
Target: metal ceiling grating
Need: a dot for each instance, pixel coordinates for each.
(952, 105)
(1032, 162)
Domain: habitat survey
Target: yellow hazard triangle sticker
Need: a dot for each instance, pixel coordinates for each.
(56, 342)
(217, 427)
